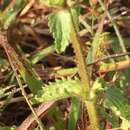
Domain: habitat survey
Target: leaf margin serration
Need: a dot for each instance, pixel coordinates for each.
(60, 89)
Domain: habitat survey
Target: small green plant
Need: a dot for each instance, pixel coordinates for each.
(103, 99)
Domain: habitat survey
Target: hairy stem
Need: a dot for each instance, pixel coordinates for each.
(84, 75)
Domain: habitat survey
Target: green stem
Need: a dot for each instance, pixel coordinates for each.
(83, 73)
(93, 117)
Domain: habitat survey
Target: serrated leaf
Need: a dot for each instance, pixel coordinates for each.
(53, 2)
(60, 26)
(60, 89)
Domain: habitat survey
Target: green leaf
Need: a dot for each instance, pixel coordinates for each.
(6, 128)
(113, 120)
(7, 17)
(28, 75)
(58, 90)
(98, 86)
(58, 121)
(124, 78)
(97, 43)
(42, 54)
(25, 69)
(116, 101)
(75, 12)
(53, 2)
(2, 92)
(32, 81)
(74, 113)
(60, 26)
(86, 1)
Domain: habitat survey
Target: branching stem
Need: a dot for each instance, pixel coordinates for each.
(84, 75)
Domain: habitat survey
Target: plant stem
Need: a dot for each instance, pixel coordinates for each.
(83, 73)
(93, 117)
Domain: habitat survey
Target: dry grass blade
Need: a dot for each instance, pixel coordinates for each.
(27, 7)
(30, 123)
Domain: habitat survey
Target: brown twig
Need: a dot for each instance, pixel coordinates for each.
(109, 57)
(116, 66)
